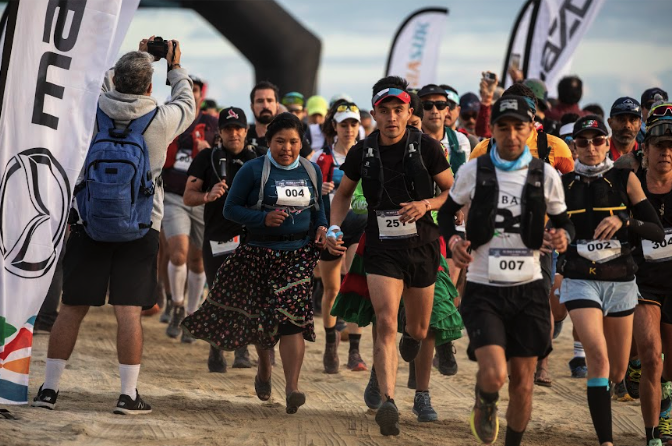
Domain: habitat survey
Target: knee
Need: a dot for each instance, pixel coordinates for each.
(652, 362)
(386, 326)
(196, 266)
(73, 312)
(492, 377)
(418, 331)
(329, 293)
(521, 385)
(177, 257)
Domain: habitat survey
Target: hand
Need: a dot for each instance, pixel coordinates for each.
(275, 218)
(516, 74)
(487, 89)
(413, 211)
(174, 55)
(335, 246)
(217, 191)
(459, 218)
(143, 45)
(559, 238)
(202, 144)
(321, 237)
(547, 244)
(327, 187)
(461, 256)
(608, 228)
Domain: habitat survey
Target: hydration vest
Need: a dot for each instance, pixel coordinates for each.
(588, 203)
(483, 209)
(419, 182)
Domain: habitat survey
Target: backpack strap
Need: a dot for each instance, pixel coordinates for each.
(266, 172)
(542, 146)
(533, 206)
(310, 168)
(490, 143)
(141, 124)
(105, 123)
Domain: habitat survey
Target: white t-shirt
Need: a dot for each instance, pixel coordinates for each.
(462, 140)
(316, 136)
(510, 190)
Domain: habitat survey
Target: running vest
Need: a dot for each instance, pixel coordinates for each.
(483, 208)
(652, 257)
(419, 182)
(587, 205)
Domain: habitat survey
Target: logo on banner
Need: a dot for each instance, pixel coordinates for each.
(34, 194)
(417, 50)
(562, 30)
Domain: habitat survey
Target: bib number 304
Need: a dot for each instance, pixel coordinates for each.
(391, 227)
(658, 251)
(510, 265)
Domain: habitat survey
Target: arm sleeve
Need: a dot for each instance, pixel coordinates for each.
(483, 122)
(646, 223)
(446, 218)
(358, 202)
(235, 206)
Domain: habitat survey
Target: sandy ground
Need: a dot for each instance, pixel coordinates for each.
(194, 407)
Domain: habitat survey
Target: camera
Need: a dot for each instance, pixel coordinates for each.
(489, 75)
(158, 48)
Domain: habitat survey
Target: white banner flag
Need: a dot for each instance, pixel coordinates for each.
(59, 53)
(415, 50)
(547, 35)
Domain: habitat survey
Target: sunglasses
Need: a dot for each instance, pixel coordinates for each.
(347, 107)
(661, 110)
(466, 116)
(660, 128)
(585, 142)
(440, 105)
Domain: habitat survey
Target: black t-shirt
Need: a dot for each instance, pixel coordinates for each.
(203, 167)
(395, 190)
(261, 145)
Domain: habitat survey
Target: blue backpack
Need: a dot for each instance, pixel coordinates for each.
(116, 197)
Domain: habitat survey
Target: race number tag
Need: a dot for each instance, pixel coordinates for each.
(391, 227)
(510, 265)
(182, 160)
(658, 251)
(599, 251)
(221, 248)
(292, 193)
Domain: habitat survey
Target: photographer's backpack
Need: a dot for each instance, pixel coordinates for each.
(116, 197)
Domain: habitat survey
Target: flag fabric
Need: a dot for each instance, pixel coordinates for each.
(415, 49)
(546, 34)
(53, 61)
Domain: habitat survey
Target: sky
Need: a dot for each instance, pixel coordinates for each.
(626, 51)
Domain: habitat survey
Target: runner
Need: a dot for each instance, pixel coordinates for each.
(625, 119)
(599, 286)
(264, 104)
(210, 174)
(505, 305)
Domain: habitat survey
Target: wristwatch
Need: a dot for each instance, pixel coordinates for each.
(625, 218)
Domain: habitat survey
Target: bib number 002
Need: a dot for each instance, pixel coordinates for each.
(599, 251)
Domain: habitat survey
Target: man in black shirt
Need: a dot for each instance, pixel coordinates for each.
(210, 175)
(402, 246)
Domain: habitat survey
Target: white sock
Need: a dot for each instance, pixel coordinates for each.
(177, 276)
(196, 282)
(578, 350)
(129, 379)
(53, 372)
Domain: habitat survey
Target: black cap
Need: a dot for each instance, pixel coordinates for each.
(232, 116)
(431, 89)
(625, 106)
(514, 106)
(590, 122)
(648, 97)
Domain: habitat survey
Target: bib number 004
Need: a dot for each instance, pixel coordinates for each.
(292, 193)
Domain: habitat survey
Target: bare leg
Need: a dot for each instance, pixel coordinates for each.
(65, 330)
(129, 334)
(292, 349)
(520, 393)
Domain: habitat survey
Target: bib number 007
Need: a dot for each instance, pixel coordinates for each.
(511, 266)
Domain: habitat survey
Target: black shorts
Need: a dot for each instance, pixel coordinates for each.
(352, 227)
(517, 318)
(417, 267)
(661, 300)
(128, 269)
(211, 263)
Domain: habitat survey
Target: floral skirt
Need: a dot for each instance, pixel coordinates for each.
(257, 290)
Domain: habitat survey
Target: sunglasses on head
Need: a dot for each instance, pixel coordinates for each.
(661, 110)
(347, 107)
(585, 142)
(440, 105)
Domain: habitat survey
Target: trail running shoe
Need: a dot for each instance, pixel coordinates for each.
(619, 392)
(665, 428)
(128, 406)
(447, 362)
(167, 311)
(355, 362)
(330, 358)
(408, 347)
(412, 382)
(372, 396)
(422, 407)
(187, 338)
(666, 399)
(655, 442)
(174, 330)
(632, 377)
(578, 367)
(483, 420)
(387, 418)
(45, 398)
(557, 328)
(241, 358)
(216, 361)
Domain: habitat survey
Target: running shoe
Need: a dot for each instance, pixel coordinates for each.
(655, 442)
(241, 358)
(330, 358)
(632, 377)
(483, 420)
(412, 382)
(387, 418)
(372, 396)
(666, 399)
(578, 367)
(355, 362)
(167, 311)
(294, 401)
(557, 328)
(128, 406)
(408, 347)
(45, 398)
(447, 362)
(665, 428)
(619, 392)
(174, 330)
(216, 361)
(422, 407)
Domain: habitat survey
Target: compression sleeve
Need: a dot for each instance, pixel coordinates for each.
(446, 218)
(645, 222)
(562, 221)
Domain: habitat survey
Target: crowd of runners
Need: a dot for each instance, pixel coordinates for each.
(425, 213)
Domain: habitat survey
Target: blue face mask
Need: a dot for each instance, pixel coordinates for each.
(292, 166)
(521, 162)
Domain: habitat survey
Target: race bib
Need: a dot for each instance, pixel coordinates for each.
(183, 160)
(658, 251)
(391, 227)
(221, 248)
(511, 265)
(292, 193)
(599, 251)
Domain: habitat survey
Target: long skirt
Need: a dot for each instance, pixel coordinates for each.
(257, 291)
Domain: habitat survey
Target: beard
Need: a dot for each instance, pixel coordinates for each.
(624, 137)
(265, 117)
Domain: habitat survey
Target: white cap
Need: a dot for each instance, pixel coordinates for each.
(348, 114)
(567, 129)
